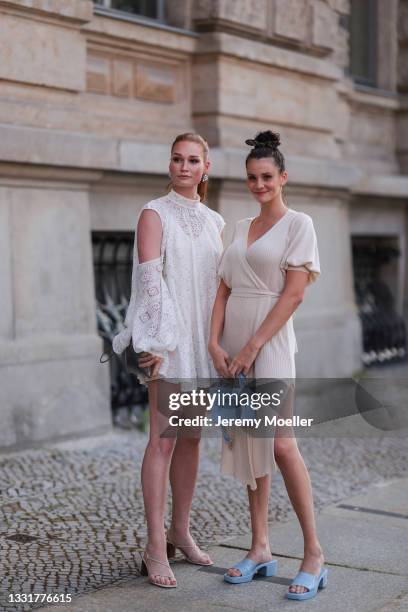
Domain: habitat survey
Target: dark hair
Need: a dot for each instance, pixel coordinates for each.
(192, 137)
(265, 144)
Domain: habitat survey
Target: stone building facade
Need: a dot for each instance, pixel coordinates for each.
(92, 95)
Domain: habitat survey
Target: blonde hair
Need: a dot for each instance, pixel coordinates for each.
(192, 137)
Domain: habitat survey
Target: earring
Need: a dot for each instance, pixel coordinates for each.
(204, 178)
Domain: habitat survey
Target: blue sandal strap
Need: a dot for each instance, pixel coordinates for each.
(246, 566)
(306, 579)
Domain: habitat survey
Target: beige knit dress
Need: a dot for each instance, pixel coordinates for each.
(256, 277)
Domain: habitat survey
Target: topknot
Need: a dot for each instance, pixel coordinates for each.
(267, 139)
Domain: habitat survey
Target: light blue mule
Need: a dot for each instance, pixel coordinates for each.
(309, 581)
(249, 568)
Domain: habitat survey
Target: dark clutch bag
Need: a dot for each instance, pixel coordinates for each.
(132, 365)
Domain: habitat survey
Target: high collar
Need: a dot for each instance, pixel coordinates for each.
(182, 201)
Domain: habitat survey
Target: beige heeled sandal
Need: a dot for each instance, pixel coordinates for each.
(144, 571)
(171, 552)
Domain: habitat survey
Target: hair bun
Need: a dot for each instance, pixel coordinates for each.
(267, 139)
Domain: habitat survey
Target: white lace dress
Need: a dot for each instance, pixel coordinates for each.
(169, 312)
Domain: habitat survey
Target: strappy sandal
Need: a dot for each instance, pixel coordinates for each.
(144, 571)
(171, 552)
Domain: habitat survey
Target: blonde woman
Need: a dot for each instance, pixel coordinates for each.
(177, 250)
(264, 272)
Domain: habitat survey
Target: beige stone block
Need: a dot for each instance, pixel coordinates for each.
(212, 44)
(129, 195)
(341, 6)
(40, 146)
(156, 82)
(134, 77)
(324, 25)
(291, 19)
(41, 54)
(52, 262)
(6, 281)
(80, 10)
(341, 54)
(98, 73)
(204, 87)
(248, 13)
(47, 400)
(272, 95)
(122, 78)
(251, 13)
(372, 140)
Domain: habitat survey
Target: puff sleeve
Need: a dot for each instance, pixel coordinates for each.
(301, 249)
(150, 321)
(224, 271)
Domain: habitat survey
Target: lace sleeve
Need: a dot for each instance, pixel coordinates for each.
(150, 319)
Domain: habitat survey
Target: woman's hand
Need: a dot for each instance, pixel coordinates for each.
(220, 359)
(147, 360)
(243, 360)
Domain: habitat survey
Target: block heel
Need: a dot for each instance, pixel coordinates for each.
(144, 571)
(323, 581)
(171, 550)
(269, 569)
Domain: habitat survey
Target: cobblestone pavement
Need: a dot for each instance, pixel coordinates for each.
(71, 517)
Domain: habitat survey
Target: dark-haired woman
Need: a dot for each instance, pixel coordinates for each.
(264, 273)
(177, 250)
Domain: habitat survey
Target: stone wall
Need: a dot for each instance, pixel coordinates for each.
(89, 105)
(402, 66)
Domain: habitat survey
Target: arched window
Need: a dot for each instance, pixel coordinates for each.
(363, 41)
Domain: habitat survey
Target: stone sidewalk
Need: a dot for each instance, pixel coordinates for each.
(72, 520)
(365, 539)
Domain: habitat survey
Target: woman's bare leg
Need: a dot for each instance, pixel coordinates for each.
(260, 551)
(299, 488)
(155, 476)
(183, 477)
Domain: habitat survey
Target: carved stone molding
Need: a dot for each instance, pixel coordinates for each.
(132, 77)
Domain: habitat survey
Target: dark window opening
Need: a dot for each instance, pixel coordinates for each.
(152, 9)
(375, 263)
(363, 41)
(112, 259)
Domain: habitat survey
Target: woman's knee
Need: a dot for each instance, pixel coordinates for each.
(285, 448)
(162, 447)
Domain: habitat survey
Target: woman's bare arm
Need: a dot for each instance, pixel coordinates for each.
(219, 356)
(291, 297)
(149, 234)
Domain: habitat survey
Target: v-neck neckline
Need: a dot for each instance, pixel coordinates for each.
(265, 233)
